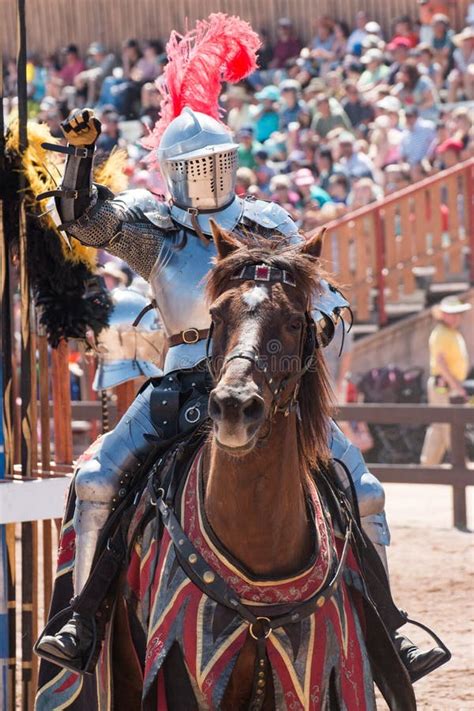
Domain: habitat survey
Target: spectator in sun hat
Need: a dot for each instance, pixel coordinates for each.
(403, 27)
(354, 162)
(449, 152)
(427, 64)
(282, 193)
(442, 41)
(375, 69)
(417, 138)
(266, 117)
(287, 45)
(461, 78)
(245, 180)
(291, 105)
(390, 106)
(399, 50)
(461, 124)
(99, 65)
(449, 366)
(426, 10)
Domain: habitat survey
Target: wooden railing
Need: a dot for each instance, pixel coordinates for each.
(374, 250)
(458, 474)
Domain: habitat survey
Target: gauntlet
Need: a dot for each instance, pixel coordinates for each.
(81, 128)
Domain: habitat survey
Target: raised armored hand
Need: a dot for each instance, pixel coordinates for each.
(81, 128)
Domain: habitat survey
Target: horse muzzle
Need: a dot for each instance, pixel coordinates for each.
(237, 414)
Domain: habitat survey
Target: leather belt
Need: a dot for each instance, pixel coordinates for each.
(189, 336)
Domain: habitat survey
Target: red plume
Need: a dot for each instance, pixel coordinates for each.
(219, 49)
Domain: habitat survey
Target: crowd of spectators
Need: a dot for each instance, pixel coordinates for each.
(322, 128)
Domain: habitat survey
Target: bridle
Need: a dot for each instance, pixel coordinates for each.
(306, 354)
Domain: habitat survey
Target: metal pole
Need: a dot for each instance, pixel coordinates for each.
(28, 536)
(7, 535)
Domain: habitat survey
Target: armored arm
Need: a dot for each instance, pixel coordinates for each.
(92, 214)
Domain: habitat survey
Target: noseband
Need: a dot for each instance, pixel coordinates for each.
(308, 344)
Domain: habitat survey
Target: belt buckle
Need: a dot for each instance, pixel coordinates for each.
(190, 336)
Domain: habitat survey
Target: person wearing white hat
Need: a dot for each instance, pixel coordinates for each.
(462, 75)
(449, 365)
(375, 69)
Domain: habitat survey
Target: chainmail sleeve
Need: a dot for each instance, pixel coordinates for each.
(119, 225)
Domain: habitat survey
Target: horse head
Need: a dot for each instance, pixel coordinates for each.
(264, 356)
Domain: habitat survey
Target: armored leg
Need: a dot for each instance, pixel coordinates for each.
(117, 454)
(370, 492)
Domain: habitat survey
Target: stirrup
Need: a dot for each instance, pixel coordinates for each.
(83, 665)
(439, 643)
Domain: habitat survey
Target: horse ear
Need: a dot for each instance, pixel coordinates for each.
(225, 243)
(314, 245)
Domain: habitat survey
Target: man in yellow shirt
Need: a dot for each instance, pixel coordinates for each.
(449, 366)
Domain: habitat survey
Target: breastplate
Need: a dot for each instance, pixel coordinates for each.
(178, 284)
(179, 276)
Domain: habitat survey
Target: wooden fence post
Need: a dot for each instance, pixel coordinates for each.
(469, 173)
(380, 265)
(458, 459)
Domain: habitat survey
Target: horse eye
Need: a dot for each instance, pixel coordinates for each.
(296, 323)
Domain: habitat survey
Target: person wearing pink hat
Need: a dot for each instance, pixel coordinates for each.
(399, 49)
(449, 152)
(449, 366)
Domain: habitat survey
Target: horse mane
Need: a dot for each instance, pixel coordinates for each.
(315, 396)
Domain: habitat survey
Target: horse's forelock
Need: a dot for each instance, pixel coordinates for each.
(303, 268)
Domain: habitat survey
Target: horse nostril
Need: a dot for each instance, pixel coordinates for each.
(215, 409)
(253, 410)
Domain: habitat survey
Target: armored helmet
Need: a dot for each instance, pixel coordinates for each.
(126, 351)
(198, 160)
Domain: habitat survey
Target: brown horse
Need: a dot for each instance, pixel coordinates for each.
(252, 512)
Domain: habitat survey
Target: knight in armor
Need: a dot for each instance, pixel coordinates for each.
(170, 245)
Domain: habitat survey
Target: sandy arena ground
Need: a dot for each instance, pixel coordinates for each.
(432, 574)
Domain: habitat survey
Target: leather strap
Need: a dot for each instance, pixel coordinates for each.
(144, 311)
(210, 583)
(71, 194)
(189, 336)
(77, 151)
